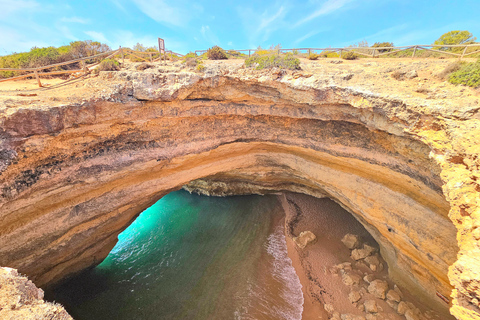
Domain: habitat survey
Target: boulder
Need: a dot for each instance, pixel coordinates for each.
(304, 238)
(351, 241)
(371, 306)
(354, 296)
(393, 295)
(351, 279)
(378, 288)
(402, 308)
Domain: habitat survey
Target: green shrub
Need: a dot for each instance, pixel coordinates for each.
(109, 65)
(38, 57)
(468, 75)
(200, 67)
(349, 55)
(283, 61)
(313, 56)
(383, 44)
(329, 54)
(216, 53)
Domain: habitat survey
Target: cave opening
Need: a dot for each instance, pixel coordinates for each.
(191, 256)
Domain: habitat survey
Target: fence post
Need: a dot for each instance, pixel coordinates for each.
(123, 55)
(38, 78)
(150, 55)
(249, 53)
(373, 55)
(463, 53)
(341, 51)
(84, 67)
(309, 52)
(414, 50)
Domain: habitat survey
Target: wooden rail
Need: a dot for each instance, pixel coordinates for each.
(372, 51)
(37, 72)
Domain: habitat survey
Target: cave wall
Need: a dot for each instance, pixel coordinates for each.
(75, 176)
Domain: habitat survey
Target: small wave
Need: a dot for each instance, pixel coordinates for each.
(284, 272)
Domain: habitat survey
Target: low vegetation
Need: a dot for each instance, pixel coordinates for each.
(313, 56)
(349, 55)
(451, 67)
(264, 61)
(38, 57)
(216, 53)
(109, 65)
(468, 75)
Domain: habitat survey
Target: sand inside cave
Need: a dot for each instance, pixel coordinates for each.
(313, 264)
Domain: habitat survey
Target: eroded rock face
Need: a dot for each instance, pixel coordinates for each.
(21, 299)
(74, 176)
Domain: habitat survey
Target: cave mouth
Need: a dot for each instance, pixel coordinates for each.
(191, 256)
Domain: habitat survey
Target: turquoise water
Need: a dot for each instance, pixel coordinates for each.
(193, 257)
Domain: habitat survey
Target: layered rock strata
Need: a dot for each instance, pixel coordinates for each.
(75, 175)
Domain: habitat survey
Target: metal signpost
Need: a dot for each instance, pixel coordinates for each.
(161, 49)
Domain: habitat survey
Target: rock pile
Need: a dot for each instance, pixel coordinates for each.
(370, 293)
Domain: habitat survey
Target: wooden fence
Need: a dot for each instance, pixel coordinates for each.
(373, 51)
(123, 52)
(84, 68)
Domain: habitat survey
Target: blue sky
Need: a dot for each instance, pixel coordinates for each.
(192, 25)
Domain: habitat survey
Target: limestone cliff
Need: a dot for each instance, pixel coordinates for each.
(75, 173)
(21, 299)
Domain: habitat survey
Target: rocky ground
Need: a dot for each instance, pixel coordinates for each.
(20, 299)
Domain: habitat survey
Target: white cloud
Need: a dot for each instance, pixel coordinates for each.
(97, 36)
(326, 8)
(162, 12)
(209, 35)
(9, 6)
(258, 27)
(74, 20)
(308, 35)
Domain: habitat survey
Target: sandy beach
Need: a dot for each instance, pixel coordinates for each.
(322, 282)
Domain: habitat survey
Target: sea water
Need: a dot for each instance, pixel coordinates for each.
(193, 257)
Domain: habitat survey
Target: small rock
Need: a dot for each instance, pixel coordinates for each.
(304, 238)
(410, 315)
(371, 316)
(351, 279)
(372, 260)
(397, 290)
(411, 74)
(336, 316)
(369, 278)
(336, 61)
(348, 76)
(393, 296)
(392, 304)
(329, 308)
(351, 241)
(354, 296)
(402, 308)
(371, 306)
(366, 251)
(378, 288)
(361, 307)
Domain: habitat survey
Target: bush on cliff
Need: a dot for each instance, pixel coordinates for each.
(216, 53)
(109, 65)
(282, 61)
(349, 55)
(468, 75)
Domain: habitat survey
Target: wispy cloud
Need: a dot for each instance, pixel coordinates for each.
(308, 35)
(97, 36)
(258, 27)
(9, 6)
(74, 20)
(163, 13)
(209, 35)
(326, 8)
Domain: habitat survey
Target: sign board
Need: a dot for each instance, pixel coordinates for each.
(161, 45)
